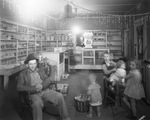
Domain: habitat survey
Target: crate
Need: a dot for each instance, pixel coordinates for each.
(62, 88)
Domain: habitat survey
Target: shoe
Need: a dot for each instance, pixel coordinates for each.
(134, 118)
(89, 115)
(129, 116)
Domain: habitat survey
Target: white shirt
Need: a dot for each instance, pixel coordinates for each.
(119, 74)
(35, 78)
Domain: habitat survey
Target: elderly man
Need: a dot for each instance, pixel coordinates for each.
(35, 81)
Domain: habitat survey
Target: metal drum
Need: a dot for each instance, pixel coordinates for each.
(147, 83)
(146, 80)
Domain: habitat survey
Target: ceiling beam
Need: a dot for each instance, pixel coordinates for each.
(112, 5)
(113, 11)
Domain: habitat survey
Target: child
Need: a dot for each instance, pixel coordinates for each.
(134, 88)
(108, 66)
(95, 95)
(119, 75)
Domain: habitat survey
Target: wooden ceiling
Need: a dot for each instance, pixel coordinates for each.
(110, 6)
(117, 7)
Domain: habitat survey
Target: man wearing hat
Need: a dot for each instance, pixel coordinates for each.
(35, 81)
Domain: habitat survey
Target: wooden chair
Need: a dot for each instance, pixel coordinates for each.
(25, 98)
(25, 101)
(97, 106)
(113, 96)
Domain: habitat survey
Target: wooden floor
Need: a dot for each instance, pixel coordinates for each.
(78, 82)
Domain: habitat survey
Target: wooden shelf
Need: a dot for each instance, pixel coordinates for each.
(87, 67)
(63, 38)
(15, 34)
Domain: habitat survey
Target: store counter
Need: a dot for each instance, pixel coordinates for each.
(8, 72)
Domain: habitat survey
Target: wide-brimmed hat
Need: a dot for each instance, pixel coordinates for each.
(30, 57)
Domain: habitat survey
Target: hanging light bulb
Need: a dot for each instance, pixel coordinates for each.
(76, 29)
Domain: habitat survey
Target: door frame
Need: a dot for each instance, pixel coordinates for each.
(138, 23)
(126, 44)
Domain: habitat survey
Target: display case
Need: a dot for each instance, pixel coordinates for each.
(58, 58)
(86, 58)
(17, 41)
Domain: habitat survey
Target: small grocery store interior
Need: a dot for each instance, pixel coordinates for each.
(68, 39)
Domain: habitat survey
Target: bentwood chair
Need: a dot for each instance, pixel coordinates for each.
(25, 101)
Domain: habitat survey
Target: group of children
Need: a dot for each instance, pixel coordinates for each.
(117, 73)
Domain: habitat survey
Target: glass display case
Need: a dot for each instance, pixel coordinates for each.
(87, 58)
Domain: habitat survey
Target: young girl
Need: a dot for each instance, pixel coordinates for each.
(95, 95)
(134, 88)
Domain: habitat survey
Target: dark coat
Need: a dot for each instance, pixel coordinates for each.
(24, 80)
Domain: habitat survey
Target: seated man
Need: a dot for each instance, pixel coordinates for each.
(35, 81)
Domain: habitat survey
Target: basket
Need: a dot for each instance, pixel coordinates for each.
(82, 103)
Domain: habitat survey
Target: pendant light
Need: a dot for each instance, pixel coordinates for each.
(68, 12)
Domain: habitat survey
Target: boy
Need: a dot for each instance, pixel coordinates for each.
(95, 95)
